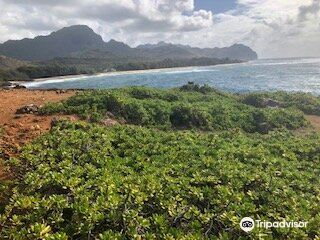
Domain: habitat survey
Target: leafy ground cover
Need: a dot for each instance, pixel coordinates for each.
(190, 164)
(190, 107)
(83, 181)
(305, 102)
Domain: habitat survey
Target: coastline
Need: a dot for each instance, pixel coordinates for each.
(115, 73)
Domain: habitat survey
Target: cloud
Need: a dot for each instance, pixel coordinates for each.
(274, 28)
(313, 8)
(134, 16)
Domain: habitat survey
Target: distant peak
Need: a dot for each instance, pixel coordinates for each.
(114, 41)
(76, 27)
(84, 29)
(163, 43)
(239, 45)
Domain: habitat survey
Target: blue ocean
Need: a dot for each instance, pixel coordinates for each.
(301, 74)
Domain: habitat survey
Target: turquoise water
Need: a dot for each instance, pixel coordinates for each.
(261, 75)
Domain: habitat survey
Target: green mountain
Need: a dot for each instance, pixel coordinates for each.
(8, 63)
(236, 51)
(58, 44)
(82, 42)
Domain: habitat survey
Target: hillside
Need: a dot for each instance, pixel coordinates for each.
(8, 63)
(82, 41)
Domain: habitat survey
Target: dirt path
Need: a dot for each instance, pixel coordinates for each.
(17, 130)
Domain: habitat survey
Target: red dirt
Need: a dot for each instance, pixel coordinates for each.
(315, 122)
(17, 130)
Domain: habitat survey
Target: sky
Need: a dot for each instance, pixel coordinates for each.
(216, 6)
(273, 28)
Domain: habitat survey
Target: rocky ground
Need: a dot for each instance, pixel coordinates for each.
(18, 129)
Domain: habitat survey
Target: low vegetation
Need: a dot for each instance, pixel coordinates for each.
(191, 107)
(86, 182)
(305, 102)
(190, 165)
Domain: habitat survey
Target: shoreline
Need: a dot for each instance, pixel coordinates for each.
(115, 73)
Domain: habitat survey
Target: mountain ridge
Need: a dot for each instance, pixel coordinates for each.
(236, 51)
(77, 40)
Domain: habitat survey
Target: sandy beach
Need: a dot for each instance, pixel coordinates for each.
(116, 73)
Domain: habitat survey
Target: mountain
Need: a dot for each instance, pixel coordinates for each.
(58, 44)
(236, 51)
(9, 63)
(166, 51)
(80, 41)
(121, 49)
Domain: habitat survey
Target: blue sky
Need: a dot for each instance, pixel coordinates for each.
(216, 6)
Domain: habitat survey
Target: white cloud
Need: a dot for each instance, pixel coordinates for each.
(274, 28)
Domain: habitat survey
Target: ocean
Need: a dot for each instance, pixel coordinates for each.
(291, 75)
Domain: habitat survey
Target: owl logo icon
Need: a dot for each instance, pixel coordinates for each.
(247, 224)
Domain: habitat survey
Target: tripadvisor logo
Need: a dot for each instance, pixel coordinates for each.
(247, 224)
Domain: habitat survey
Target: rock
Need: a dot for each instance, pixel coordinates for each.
(109, 122)
(37, 127)
(9, 85)
(268, 102)
(72, 118)
(60, 91)
(28, 109)
(19, 87)
(110, 115)
(6, 85)
(54, 122)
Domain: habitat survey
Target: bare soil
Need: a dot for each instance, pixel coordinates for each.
(17, 130)
(315, 122)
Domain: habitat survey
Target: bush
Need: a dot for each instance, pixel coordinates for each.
(52, 108)
(132, 182)
(188, 117)
(254, 99)
(186, 108)
(135, 113)
(307, 103)
(192, 87)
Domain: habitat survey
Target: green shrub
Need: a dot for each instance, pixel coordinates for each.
(52, 108)
(135, 113)
(305, 102)
(82, 181)
(186, 116)
(192, 106)
(254, 99)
